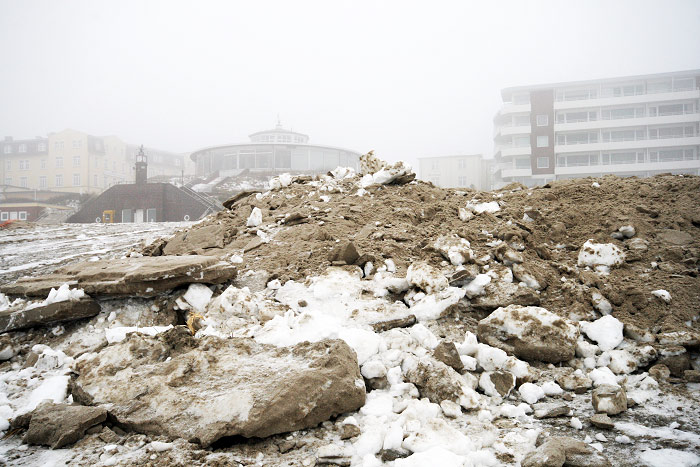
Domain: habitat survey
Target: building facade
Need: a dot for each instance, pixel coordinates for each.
(628, 126)
(75, 162)
(270, 151)
(461, 171)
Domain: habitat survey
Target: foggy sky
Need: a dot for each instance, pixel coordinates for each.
(408, 79)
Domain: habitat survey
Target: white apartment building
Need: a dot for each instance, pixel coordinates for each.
(460, 171)
(628, 126)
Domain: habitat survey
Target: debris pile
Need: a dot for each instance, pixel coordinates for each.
(369, 319)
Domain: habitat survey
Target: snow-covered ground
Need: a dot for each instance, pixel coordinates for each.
(43, 248)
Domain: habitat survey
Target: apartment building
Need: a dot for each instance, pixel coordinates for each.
(76, 162)
(460, 171)
(627, 126)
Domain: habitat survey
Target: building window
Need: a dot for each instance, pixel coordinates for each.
(24, 165)
(23, 215)
(8, 149)
(77, 144)
(542, 120)
(22, 147)
(94, 180)
(59, 180)
(42, 181)
(8, 180)
(76, 161)
(543, 162)
(543, 141)
(59, 162)
(76, 179)
(462, 180)
(522, 163)
(4, 216)
(434, 165)
(23, 182)
(58, 145)
(8, 165)
(462, 164)
(41, 147)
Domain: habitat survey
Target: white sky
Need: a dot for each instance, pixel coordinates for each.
(408, 79)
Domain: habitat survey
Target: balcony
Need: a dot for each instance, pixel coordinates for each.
(630, 144)
(685, 117)
(583, 170)
(508, 151)
(510, 108)
(508, 130)
(623, 100)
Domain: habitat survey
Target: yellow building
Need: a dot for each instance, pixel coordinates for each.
(76, 162)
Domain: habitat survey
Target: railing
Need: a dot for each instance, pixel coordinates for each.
(594, 95)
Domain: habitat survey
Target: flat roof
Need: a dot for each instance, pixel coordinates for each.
(223, 146)
(510, 90)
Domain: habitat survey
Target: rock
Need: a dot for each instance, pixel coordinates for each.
(501, 293)
(530, 276)
(507, 255)
(426, 277)
(609, 399)
(59, 425)
(676, 358)
(229, 203)
(344, 252)
(454, 248)
(627, 231)
(676, 237)
(406, 322)
(447, 353)
(204, 389)
(530, 333)
(660, 372)
(439, 382)
(464, 276)
(348, 430)
(692, 376)
(48, 314)
(193, 240)
(497, 383)
(600, 303)
(332, 454)
(559, 450)
(602, 420)
(575, 381)
(145, 276)
(551, 410)
(637, 244)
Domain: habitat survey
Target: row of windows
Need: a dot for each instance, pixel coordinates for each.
(22, 148)
(626, 134)
(13, 215)
(630, 89)
(58, 164)
(58, 181)
(640, 156)
(618, 113)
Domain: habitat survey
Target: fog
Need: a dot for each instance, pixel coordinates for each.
(407, 79)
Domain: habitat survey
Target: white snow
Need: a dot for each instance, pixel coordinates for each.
(490, 206)
(600, 256)
(198, 296)
(606, 331)
(426, 277)
(477, 286)
(662, 294)
(255, 218)
(531, 393)
(669, 458)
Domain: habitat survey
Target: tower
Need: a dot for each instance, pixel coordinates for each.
(141, 167)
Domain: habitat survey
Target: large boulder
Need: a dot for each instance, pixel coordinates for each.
(59, 425)
(203, 390)
(557, 451)
(195, 240)
(68, 310)
(530, 333)
(439, 382)
(145, 276)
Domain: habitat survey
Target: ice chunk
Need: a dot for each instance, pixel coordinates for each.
(255, 218)
(490, 206)
(663, 295)
(477, 286)
(426, 277)
(531, 393)
(606, 331)
(600, 256)
(198, 296)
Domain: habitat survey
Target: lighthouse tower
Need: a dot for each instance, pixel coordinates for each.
(141, 167)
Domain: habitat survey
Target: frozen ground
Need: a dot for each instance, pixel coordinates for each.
(43, 248)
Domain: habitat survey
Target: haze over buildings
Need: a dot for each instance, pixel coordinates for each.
(406, 79)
